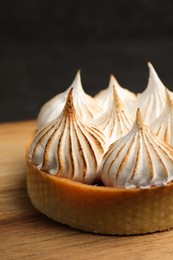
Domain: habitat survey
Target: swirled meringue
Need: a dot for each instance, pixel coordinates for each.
(162, 126)
(103, 97)
(116, 121)
(51, 109)
(152, 101)
(68, 147)
(86, 106)
(139, 159)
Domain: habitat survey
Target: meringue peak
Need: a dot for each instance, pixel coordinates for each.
(113, 81)
(152, 100)
(77, 81)
(154, 79)
(117, 99)
(116, 121)
(139, 119)
(127, 97)
(69, 106)
(85, 105)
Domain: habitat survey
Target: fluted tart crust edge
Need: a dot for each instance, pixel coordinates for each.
(103, 210)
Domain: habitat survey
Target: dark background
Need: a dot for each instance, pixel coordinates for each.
(44, 43)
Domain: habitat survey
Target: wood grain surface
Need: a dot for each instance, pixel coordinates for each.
(27, 234)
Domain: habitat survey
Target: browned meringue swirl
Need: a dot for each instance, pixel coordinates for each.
(68, 147)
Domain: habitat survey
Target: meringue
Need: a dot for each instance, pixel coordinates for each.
(127, 96)
(163, 125)
(77, 130)
(69, 147)
(151, 102)
(116, 121)
(86, 106)
(51, 109)
(139, 159)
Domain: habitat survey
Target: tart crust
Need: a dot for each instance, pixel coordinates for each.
(100, 209)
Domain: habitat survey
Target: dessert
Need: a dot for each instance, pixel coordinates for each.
(103, 168)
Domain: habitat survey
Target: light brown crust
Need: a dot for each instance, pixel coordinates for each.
(103, 210)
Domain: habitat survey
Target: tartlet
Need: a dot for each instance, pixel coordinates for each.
(103, 210)
(78, 177)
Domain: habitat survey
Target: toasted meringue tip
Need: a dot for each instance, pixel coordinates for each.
(116, 97)
(78, 73)
(69, 102)
(113, 80)
(112, 77)
(152, 72)
(139, 119)
(154, 79)
(70, 94)
(77, 79)
(150, 66)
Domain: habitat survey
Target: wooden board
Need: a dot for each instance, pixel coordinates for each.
(27, 234)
